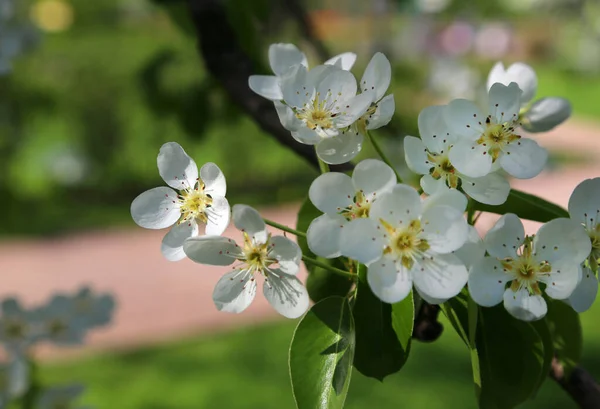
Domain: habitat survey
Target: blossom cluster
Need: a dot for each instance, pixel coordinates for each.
(64, 321)
(408, 238)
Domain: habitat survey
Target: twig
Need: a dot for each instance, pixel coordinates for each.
(580, 385)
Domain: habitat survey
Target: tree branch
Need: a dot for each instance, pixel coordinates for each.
(580, 385)
(228, 63)
(427, 328)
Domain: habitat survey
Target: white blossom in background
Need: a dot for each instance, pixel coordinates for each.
(343, 199)
(407, 240)
(519, 266)
(539, 116)
(193, 198)
(56, 322)
(92, 310)
(14, 380)
(584, 208)
(17, 332)
(320, 106)
(60, 397)
(430, 156)
(281, 58)
(275, 258)
(486, 141)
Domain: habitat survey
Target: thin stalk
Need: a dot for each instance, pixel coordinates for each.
(382, 155)
(284, 228)
(323, 166)
(327, 267)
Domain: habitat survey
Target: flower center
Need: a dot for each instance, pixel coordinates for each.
(14, 329)
(57, 327)
(497, 136)
(360, 207)
(318, 115)
(194, 203)
(442, 168)
(405, 243)
(526, 269)
(256, 256)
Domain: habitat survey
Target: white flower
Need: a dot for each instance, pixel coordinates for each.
(520, 266)
(14, 380)
(486, 140)
(430, 156)
(60, 397)
(408, 241)
(190, 200)
(56, 322)
(17, 330)
(473, 250)
(545, 113)
(277, 259)
(376, 80)
(92, 310)
(585, 293)
(321, 105)
(281, 58)
(584, 208)
(342, 199)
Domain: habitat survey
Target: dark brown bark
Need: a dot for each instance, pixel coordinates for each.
(580, 385)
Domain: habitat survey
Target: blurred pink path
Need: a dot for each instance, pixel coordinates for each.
(159, 300)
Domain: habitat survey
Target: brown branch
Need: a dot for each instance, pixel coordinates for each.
(230, 66)
(580, 385)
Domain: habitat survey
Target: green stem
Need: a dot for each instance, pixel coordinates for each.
(382, 155)
(323, 166)
(327, 267)
(471, 212)
(284, 228)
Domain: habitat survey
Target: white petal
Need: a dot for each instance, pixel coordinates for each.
(318, 74)
(446, 197)
(340, 149)
(584, 203)
(213, 179)
(415, 155)
(234, 292)
(287, 117)
(497, 74)
(387, 283)
(585, 293)
(445, 228)
(464, 119)
(352, 109)
(518, 72)
(248, 220)
(505, 102)
(219, 215)
(487, 282)
(176, 167)
(473, 250)
(524, 159)
(432, 186)
(372, 176)
(306, 136)
(332, 192)
(433, 129)
(377, 76)
(286, 294)
(323, 235)
(505, 237)
(283, 56)
(156, 208)
(383, 113)
(401, 204)
(339, 85)
(362, 240)
(345, 61)
(562, 280)
(545, 114)
(562, 240)
(172, 244)
(470, 159)
(439, 276)
(211, 250)
(492, 189)
(287, 253)
(266, 86)
(523, 306)
(295, 87)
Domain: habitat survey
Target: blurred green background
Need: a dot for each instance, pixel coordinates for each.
(88, 104)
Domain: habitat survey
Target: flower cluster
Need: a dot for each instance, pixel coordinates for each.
(408, 239)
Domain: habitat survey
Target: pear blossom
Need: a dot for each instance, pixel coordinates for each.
(343, 199)
(275, 258)
(487, 140)
(17, 329)
(430, 156)
(192, 198)
(14, 380)
(56, 322)
(90, 309)
(60, 397)
(585, 293)
(521, 268)
(473, 250)
(407, 240)
(539, 116)
(281, 58)
(320, 105)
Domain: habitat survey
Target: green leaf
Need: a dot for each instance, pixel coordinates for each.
(545, 335)
(320, 282)
(403, 321)
(321, 355)
(456, 310)
(179, 14)
(511, 357)
(525, 206)
(379, 352)
(565, 327)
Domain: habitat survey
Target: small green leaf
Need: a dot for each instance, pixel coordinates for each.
(379, 352)
(545, 335)
(565, 327)
(525, 206)
(403, 321)
(321, 355)
(511, 358)
(456, 310)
